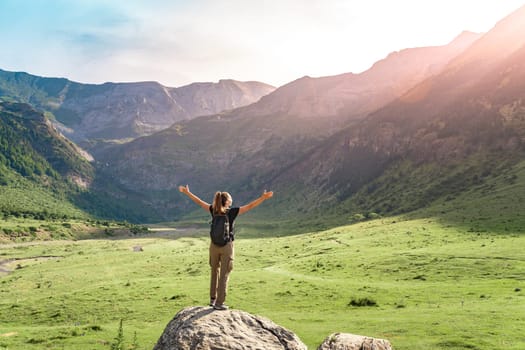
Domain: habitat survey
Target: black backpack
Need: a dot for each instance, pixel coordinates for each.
(220, 230)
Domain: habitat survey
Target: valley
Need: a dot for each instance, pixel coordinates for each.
(398, 206)
(433, 285)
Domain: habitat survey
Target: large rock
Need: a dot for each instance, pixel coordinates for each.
(202, 328)
(345, 341)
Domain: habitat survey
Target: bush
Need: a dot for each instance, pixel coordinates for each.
(357, 217)
(361, 302)
(118, 343)
(373, 216)
(136, 229)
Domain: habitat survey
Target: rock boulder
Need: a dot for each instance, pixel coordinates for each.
(345, 341)
(203, 328)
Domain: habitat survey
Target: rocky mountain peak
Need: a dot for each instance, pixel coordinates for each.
(465, 38)
(506, 37)
(352, 96)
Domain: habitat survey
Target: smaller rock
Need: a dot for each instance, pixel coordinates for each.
(346, 341)
(138, 248)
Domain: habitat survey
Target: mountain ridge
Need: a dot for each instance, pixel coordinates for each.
(372, 85)
(467, 120)
(257, 144)
(123, 110)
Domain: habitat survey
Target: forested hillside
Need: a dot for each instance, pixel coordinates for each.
(40, 169)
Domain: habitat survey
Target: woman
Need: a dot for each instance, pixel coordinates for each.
(221, 257)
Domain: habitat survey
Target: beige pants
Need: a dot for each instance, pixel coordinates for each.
(221, 262)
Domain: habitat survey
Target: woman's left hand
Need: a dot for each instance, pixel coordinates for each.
(267, 195)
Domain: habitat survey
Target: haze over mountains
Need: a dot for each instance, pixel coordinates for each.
(353, 96)
(462, 125)
(422, 124)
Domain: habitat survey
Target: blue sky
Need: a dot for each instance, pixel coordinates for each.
(178, 42)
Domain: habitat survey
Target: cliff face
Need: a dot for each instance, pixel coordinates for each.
(129, 110)
(199, 99)
(117, 111)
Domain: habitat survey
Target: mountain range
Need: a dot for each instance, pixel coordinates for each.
(87, 113)
(421, 125)
(248, 146)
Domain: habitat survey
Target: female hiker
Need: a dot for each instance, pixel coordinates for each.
(221, 248)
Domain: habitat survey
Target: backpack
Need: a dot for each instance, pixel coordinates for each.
(220, 230)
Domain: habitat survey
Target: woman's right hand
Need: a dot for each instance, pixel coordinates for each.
(184, 189)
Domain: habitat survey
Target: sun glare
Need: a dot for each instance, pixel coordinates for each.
(273, 41)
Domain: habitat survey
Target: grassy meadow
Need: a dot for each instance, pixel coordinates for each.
(449, 276)
(419, 282)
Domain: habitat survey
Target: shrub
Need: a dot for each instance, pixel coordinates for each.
(357, 217)
(373, 216)
(135, 344)
(118, 343)
(136, 229)
(361, 302)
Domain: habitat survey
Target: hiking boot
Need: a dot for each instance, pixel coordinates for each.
(220, 307)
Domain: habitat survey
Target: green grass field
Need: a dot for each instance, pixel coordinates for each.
(434, 285)
(450, 276)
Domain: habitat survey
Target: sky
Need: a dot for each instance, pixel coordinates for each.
(177, 42)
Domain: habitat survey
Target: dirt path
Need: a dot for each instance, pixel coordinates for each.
(154, 232)
(3, 267)
(31, 243)
(8, 265)
(173, 233)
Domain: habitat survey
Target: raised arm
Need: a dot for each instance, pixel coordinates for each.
(197, 200)
(250, 206)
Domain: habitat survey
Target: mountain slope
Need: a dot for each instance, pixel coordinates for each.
(32, 147)
(447, 134)
(246, 148)
(39, 168)
(352, 96)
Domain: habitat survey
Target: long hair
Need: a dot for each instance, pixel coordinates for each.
(219, 203)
